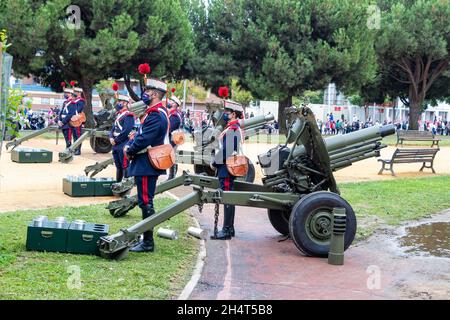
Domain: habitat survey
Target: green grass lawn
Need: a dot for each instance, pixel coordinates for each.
(395, 201)
(38, 275)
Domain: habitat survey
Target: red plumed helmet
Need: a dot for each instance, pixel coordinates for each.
(115, 86)
(63, 84)
(73, 83)
(173, 90)
(144, 68)
(223, 92)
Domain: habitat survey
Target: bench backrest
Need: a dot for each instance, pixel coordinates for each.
(418, 155)
(414, 133)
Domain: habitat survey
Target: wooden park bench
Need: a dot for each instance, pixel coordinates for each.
(415, 135)
(410, 156)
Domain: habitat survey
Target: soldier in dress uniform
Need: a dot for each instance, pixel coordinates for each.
(152, 132)
(123, 125)
(80, 102)
(66, 113)
(175, 124)
(230, 141)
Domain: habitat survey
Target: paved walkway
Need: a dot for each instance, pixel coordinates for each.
(256, 265)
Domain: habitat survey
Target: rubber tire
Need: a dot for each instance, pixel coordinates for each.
(279, 220)
(102, 145)
(250, 177)
(299, 216)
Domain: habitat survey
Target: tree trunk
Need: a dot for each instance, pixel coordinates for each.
(414, 113)
(87, 91)
(415, 107)
(282, 105)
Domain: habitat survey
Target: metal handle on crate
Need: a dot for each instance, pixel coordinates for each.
(47, 234)
(87, 237)
(83, 185)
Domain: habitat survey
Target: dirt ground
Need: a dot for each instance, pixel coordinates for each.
(33, 186)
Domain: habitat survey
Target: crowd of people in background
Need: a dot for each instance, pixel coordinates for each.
(28, 119)
(334, 126)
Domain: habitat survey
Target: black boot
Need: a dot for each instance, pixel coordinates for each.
(148, 244)
(232, 220)
(119, 175)
(226, 232)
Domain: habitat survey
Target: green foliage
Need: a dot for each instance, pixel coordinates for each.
(114, 37)
(280, 49)
(413, 52)
(39, 275)
(244, 97)
(309, 96)
(4, 40)
(13, 108)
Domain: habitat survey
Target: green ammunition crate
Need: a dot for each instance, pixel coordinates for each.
(75, 188)
(85, 241)
(47, 238)
(103, 186)
(29, 155)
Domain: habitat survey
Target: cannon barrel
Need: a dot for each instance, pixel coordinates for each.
(335, 143)
(254, 121)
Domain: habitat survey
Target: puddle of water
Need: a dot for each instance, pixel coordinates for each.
(429, 239)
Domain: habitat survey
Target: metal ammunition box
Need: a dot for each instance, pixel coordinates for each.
(50, 236)
(79, 188)
(82, 238)
(103, 187)
(29, 155)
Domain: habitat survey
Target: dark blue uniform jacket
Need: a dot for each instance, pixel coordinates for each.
(151, 134)
(175, 123)
(121, 129)
(67, 112)
(229, 143)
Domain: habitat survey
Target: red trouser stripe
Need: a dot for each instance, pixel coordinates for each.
(79, 131)
(70, 134)
(125, 162)
(226, 184)
(145, 189)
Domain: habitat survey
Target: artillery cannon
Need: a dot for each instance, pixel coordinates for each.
(299, 190)
(99, 136)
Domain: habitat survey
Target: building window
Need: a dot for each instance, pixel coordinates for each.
(45, 101)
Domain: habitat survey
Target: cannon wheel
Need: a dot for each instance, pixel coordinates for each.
(250, 177)
(100, 145)
(310, 222)
(279, 220)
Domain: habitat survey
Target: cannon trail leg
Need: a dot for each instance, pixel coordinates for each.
(67, 155)
(98, 166)
(18, 141)
(116, 246)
